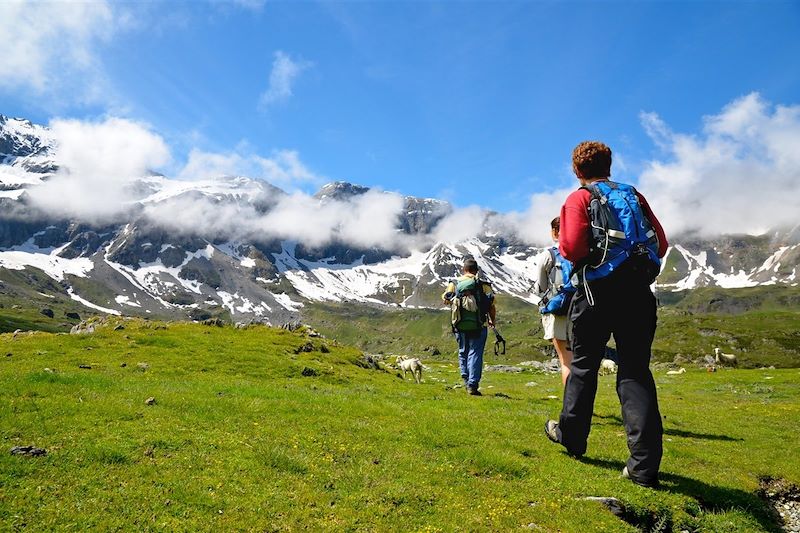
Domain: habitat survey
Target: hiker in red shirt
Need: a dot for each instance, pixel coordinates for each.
(616, 243)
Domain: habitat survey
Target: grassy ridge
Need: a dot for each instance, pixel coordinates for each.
(251, 432)
(761, 337)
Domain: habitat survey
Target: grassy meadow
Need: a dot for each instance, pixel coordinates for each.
(261, 429)
(766, 335)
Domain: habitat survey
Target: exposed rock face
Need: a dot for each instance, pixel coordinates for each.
(21, 138)
(15, 232)
(340, 190)
(422, 214)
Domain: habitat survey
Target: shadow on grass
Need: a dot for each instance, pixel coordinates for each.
(613, 420)
(693, 435)
(709, 497)
(616, 420)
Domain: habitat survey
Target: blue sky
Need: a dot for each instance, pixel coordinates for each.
(473, 102)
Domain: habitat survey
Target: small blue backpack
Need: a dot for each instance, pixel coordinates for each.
(559, 293)
(620, 230)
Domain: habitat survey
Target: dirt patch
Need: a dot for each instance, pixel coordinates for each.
(784, 499)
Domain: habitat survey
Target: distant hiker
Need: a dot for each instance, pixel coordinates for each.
(554, 289)
(472, 308)
(616, 244)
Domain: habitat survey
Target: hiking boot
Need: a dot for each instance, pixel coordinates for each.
(550, 428)
(551, 431)
(649, 485)
(473, 391)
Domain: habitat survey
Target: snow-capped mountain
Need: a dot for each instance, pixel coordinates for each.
(140, 263)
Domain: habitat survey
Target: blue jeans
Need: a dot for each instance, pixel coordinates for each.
(470, 355)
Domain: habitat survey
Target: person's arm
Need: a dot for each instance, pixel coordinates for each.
(448, 294)
(573, 238)
(492, 315)
(541, 270)
(662, 237)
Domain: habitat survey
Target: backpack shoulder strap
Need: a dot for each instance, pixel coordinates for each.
(554, 255)
(594, 192)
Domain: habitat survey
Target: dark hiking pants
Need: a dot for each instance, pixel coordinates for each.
(626, 308)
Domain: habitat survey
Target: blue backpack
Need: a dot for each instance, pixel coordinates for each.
(620, 230)
(559, 293)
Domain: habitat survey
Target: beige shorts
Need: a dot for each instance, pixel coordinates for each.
(555, 326)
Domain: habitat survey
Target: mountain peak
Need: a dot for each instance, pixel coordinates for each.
(340, 190)
(20, 137)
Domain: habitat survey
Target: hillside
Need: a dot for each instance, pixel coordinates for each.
(763, 334)
(248, 431)
(760, 324)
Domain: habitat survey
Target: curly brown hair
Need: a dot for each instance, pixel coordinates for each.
(592, 159)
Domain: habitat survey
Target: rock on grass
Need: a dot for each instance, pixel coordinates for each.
(28, 451)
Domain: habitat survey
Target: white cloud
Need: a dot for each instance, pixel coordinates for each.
(98, 182)
(206, 165)
(371, 219)
(98, 160)
(459, 225)
(366, 220)
(740, 174)
(533, 226)
(283, 169)
(281, 78)
(49, 46)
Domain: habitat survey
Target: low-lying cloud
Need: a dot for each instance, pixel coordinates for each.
(740, 174)
(97, 163)
(364, 221)
(283, 169)
(102, 162)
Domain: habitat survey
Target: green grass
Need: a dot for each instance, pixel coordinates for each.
(24, 293)
(733, 301)
(240, 439)
(377, 329)
(765, 336)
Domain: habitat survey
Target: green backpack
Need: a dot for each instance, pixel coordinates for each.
(469, 306)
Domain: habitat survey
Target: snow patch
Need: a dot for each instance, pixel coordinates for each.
(124, 300)
(51, 264)
(284, 300)
(87, 303)
(229, 301)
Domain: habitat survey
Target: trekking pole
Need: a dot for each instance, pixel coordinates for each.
(499, 343)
